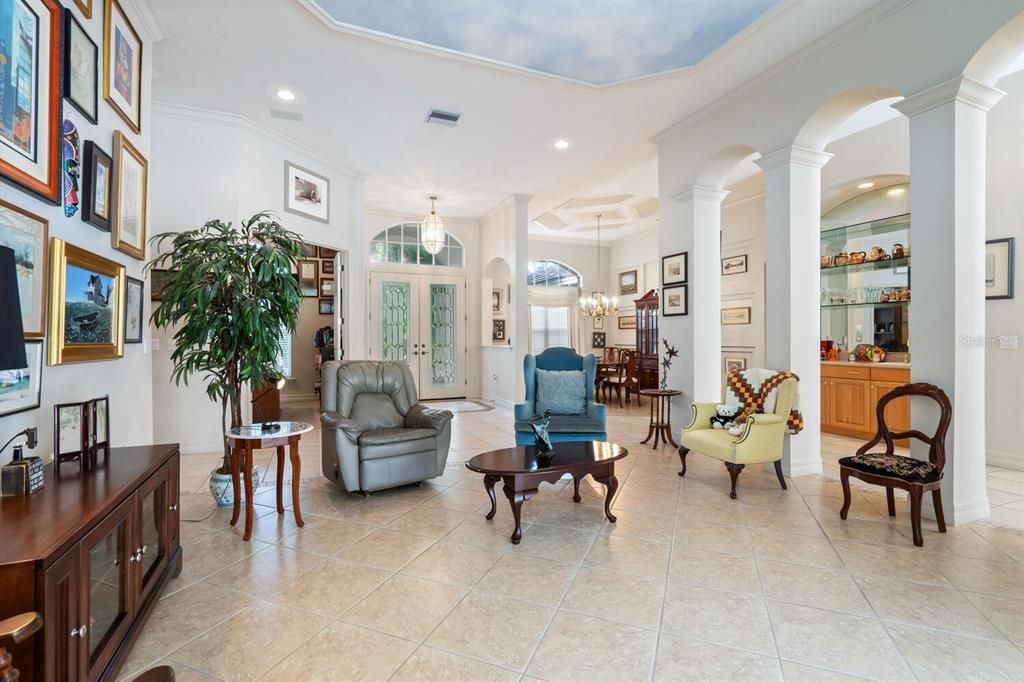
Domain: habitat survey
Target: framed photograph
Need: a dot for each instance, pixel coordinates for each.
(98, 430)
(69, 433)
(306, 193)
(674, 300)
(597, 340)
(133, 315)
(496, 300)
(627, 282)
(309, 250)
(325, 252)
(627, 322)
(326, 306)
(497, 330)
(122, 65)
(598, 323)
(736, 315)
(97, 176)
(733, 364)
(327, 267)
(309, 275)
(999, 268)
(81, 68)
(30, 100)
(675, 268)
(26, 234)
(21, 389)
(158, 279)
(734, 265)
(86, 306)
(131, 170)
(85, 6)
(326, 287)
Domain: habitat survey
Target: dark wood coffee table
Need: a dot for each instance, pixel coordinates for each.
(519, 468)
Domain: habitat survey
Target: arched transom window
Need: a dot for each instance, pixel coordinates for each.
(401, 244)
(550, 273)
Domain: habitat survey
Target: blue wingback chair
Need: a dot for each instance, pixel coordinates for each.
(565, 427)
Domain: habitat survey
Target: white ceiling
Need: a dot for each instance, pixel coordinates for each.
(364, 102)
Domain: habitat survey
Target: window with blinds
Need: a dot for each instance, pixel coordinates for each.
(549, 326)
(284, 359)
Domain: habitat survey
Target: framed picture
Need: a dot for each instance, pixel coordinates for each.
(26, 234)
(734, 265)
(30, 114)
(326, 287)
(69, 433)
(21, 389)
(81, 68)
(133, 316)
(327, 267)
(675, 268)
(736, 315)
(122, 65)
(325, 252)
(497, 330)
(158, 279)
(326, 306)
(999, 268)
(86, 306)
(598, 323)
(733, 364)
(97, 175)
(309, 250)
(306, 193)
(128, 229)
(85, 6)
(674, 300)
(496, 300)
(627, 282)
(72, 167)
(309, 275)
(627, 322)
(597, 340)
(97, 435)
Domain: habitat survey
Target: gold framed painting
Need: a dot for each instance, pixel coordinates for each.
(86, 306)
(85, 6)
(122, 65)
(131, 171)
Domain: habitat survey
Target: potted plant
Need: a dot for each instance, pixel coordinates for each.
(230, 295)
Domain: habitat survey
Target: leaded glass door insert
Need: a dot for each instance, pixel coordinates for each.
(395, 321)
(443, 335)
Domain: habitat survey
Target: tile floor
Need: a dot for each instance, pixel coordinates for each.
(413, 584)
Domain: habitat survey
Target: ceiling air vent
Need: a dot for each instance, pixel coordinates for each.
(286, 115)
(444, 118)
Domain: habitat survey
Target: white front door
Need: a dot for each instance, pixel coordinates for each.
(421, 320)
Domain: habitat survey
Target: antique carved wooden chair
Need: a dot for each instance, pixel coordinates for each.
(906, 473)
(15, 630)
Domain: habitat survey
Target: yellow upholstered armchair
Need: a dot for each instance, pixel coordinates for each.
(763, 434)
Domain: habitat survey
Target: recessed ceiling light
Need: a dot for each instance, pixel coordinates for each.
(865, 185)
(896, 191)
(286, 95)
(561, 144)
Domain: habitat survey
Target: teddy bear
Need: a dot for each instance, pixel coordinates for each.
(740, 422)
(724, 416)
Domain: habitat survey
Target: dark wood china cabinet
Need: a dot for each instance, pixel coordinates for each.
(647, 338)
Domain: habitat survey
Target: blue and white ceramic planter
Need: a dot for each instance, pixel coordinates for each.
(222, 491)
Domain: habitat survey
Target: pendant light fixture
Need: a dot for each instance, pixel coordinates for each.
(597, 304)
(432, 230)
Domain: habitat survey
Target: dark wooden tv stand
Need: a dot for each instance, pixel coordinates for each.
(91, 552)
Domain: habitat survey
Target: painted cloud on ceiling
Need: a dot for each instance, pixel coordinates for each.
(597, 41)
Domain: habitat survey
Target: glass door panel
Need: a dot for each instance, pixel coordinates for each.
(443, 369)
(151, 544)
(442, 337)
(106, 586)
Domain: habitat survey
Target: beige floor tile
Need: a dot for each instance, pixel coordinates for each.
(838, 641)
(266, 571)
(823, 588)
(451, 562)
(251, 642)
(373, 512)
(432, 522)
(726, 618)
(876, 532)
(721, 514)
(734, 540)
(182, 673)
(577, 648)
(1008, 541)
(798, 672)
(479, 532)
(465, 501)
(782, 521)
(627, 555)
(1005, 613)
(211, 555)
(626, 598)
(877, 560)
(571, 515)
(713, 569)
(640, 526)
(684, 659)
(801, 549)
(528, 578)
(343, 652)
(433, 665)
(957, 541)
(926, 605)
(976, 575)
(566, 545)
(329, 538)
(330, 588)
(496, 629)
(944, 656)
(387, 549)
(405, 606)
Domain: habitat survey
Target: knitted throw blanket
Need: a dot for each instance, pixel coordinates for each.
(749, 392)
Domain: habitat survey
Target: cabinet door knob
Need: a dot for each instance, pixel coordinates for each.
(79, 631)
(137, 556)
(173, 507)
(142, 550)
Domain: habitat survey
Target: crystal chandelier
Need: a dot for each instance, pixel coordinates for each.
(432, 230)
(597, 304)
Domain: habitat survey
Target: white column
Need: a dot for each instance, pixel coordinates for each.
(947, 314)
(520, 260)
(792, 288)
(693, 224)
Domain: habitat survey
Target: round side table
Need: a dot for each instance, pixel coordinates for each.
(661, 415)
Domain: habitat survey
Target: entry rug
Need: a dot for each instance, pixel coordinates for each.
(460, 405)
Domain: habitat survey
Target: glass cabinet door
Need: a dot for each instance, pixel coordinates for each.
(151, 544)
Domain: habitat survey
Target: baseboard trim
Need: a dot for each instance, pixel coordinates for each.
(810, 468)
(498, 402)
(1006, 460)
(966, 512)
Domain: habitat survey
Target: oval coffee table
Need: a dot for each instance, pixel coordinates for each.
(519, 468)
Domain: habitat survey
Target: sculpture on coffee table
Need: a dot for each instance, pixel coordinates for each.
(545, 451)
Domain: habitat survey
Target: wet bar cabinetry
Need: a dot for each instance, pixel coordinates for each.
(91, 552)
(850, 392)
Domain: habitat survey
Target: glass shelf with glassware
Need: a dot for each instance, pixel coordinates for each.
(866, 295)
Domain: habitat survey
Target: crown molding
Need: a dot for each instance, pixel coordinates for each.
(962, 89)
(865, 20)
(702, 192)
(238, 122)
(744, 199)
(151, 25)
(793, 155)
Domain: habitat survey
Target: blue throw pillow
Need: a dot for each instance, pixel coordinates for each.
(562, 392)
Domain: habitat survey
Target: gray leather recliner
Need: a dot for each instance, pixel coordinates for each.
(374, 433)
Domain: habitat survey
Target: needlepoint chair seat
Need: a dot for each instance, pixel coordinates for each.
(907, 468)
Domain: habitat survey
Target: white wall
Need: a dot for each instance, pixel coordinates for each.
(213, 165)
(743, 234)
(126, 380)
